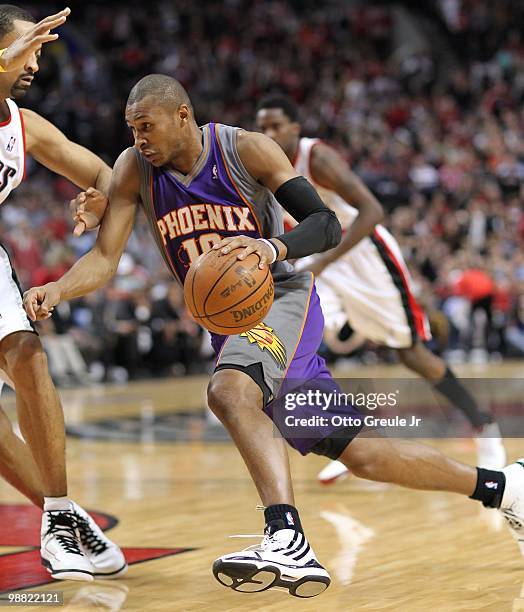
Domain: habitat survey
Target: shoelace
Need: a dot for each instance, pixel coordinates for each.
(293, 550)
(88, 536)
(62, 521)
(267, 540)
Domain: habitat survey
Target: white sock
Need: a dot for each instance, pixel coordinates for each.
(57, 503)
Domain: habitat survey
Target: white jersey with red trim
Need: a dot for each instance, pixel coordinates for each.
(344, 211)
(12, 169)
(370, 286)
(12, 151)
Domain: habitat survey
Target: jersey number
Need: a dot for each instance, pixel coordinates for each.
(194, 249)
(6, 172)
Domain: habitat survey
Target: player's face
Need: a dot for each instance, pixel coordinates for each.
(19, 81)
(154, 131)
(273, 122)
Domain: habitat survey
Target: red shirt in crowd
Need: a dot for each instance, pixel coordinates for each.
(474, 284)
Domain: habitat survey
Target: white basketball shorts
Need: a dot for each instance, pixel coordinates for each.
(370, 288)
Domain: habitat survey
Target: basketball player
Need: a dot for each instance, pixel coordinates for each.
(222, 186)
(72, 544)
(364, 280)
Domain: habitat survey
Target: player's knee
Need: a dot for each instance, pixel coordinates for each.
(224, 402)
(363, 457)
(26, 358)
(230, 395)
(218, 399)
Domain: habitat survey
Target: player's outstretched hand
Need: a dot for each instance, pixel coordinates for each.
(87, 210)
(16, 55)
(252, 245)
(39, 302)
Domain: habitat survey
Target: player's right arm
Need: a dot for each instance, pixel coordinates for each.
(318, 228)
(99, 265)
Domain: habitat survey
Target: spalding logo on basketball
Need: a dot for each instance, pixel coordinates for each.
(226, 295)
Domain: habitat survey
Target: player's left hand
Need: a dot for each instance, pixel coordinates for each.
(87, 210)
(252, 245)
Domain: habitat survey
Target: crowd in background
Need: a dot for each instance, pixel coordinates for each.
(440, 142)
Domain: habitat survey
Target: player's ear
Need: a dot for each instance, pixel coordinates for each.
(183, 112)
(295, 126)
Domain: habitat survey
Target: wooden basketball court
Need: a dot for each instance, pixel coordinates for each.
(177, 502)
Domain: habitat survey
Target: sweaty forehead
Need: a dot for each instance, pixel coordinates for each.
(147, 107)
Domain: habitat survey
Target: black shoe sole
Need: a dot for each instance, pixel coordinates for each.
(248, 578)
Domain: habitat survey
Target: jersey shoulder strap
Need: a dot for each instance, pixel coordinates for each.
(302, 162)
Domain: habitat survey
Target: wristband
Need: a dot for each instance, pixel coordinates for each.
(2, 69)
(273, 248)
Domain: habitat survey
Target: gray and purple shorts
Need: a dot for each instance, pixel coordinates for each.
(280, 355)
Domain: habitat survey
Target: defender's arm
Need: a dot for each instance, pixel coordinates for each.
(96, 267)
(329, 170)
(49, 146)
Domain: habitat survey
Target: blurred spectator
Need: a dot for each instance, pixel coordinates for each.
(176, 337)
(66, 364)
(478, 288)
(515, 330)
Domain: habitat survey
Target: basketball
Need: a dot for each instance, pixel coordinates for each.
(228, 296)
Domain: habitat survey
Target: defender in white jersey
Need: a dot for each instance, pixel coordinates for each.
(369, 285)
(364, 281)
(73, 546)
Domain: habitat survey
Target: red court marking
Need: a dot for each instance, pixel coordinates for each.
(20, 526)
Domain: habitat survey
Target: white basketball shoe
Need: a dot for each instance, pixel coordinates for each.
(107, 559)
(512, 505)
(61, 550)
(283, 560)
(491, 453)
(333, 472)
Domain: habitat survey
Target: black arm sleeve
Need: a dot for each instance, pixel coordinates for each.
(318, 229)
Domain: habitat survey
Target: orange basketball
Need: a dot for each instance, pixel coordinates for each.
(228, 296)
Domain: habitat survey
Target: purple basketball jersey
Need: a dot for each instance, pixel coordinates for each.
(217, 199)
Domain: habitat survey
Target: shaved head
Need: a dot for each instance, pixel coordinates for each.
(164, 89)
(160, 114)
